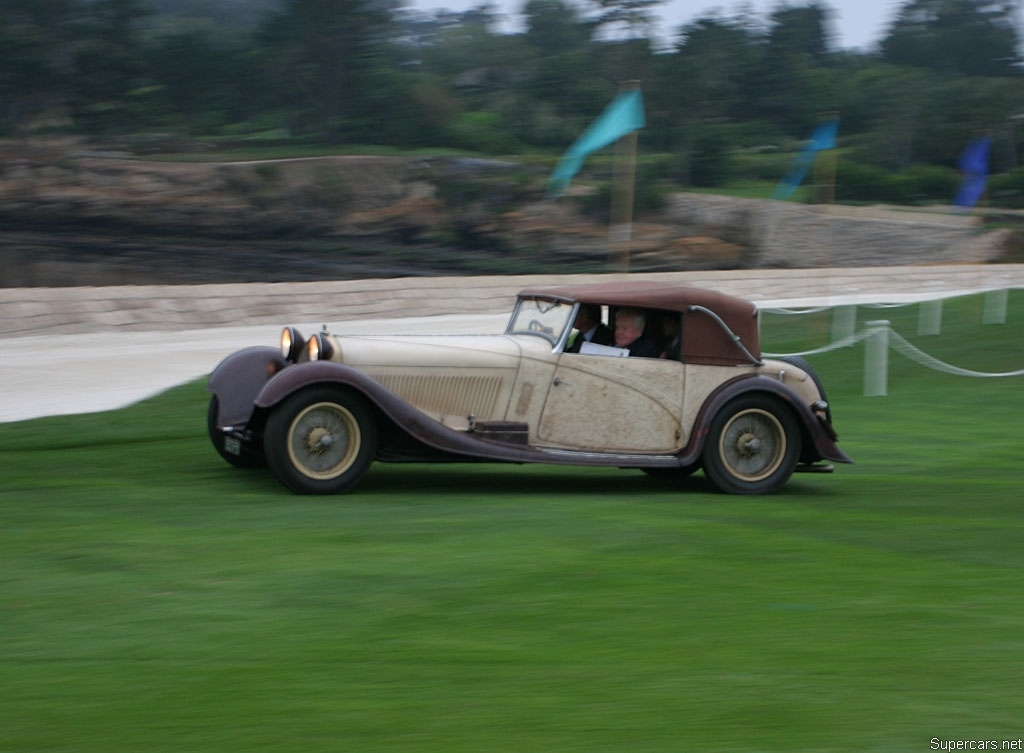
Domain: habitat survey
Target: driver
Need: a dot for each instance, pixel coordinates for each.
(590, 328)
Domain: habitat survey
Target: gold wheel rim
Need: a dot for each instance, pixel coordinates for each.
(323, 441)
(752, 445)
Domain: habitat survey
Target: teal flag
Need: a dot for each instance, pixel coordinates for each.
(823, 137)
(624, 115)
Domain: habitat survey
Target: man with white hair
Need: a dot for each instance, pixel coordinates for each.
(629, 333)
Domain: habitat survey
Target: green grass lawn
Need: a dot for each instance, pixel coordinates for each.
(154, 599)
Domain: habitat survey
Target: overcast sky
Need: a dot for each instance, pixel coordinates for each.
(855, 23)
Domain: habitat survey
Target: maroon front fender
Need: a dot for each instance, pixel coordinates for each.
(411, 420)
(307, 374)
(239, 378)
(414, 422)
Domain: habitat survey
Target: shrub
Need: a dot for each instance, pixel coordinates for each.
(859, 181)
(482, 132)
(1007, 190)
(710, 160)
(932, 182)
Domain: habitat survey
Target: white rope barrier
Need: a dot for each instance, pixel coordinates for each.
(798, 312)
(998, 294)
(881, 337)
(890, 305)
(846, 342)
(900, 344)
(915, 354)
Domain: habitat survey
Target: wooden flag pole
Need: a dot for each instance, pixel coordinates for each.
(824, 191)
(620, 230)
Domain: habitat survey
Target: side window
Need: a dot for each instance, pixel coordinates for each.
(589, 326)
(671, 334)
(664, 329)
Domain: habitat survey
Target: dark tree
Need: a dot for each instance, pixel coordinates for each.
(631, 18)
(555, 26)
(793, 84)
(36, 68)
(324, 54)
(717, 58)
(970, 37)
(109, 80)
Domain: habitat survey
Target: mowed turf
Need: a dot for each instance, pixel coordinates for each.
(152, 598)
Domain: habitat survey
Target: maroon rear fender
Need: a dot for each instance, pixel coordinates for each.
(813, 429)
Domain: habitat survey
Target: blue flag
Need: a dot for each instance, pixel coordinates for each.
(823, 137)
(624, 115)
(974, 166)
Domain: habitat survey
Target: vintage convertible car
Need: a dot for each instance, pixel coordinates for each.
(318, 412)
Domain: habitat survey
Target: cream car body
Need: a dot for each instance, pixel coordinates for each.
(522, 397)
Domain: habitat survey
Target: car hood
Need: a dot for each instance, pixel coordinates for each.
(470, 351)
(448, 377)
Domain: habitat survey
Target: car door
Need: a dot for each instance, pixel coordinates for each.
(606, 404)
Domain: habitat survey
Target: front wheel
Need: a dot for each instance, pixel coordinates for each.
(321, 441)
(753, 446)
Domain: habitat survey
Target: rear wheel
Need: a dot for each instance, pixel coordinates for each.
(321, 440)
(753, 446)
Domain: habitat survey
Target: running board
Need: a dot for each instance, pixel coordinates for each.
(808, 468)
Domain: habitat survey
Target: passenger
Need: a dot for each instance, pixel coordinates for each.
(590, 328)
(629, 334)
(673, 344)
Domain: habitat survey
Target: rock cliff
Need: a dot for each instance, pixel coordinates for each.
(75, 217)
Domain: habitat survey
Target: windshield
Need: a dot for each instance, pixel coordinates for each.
(540, 316)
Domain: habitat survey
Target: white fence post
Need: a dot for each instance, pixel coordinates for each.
(876, 359)
(844, 322)
(929, 318)
(995, 307)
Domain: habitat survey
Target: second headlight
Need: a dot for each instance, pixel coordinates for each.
(319, 347)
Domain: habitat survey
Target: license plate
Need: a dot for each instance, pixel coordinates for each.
(233, 445)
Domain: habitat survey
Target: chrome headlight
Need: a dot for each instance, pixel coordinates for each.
(319, 347)
(292, 344)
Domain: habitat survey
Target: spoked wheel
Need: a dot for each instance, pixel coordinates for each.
(321, 441)
(753, 446)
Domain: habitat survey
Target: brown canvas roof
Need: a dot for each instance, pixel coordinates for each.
(648, 294)
(704, 341)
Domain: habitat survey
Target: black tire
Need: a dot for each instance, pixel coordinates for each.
(753, 446)
(247, 455)
(321, 440)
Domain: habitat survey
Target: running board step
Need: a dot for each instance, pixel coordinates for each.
(809, 468)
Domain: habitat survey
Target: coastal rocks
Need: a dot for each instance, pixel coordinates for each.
(83, 217)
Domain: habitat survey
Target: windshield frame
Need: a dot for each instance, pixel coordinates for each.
(541, 316)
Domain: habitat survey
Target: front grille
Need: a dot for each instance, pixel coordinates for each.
(446, 394)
